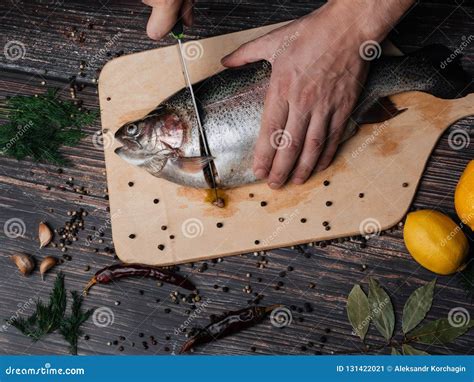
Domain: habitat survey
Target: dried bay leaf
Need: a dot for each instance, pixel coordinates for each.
(381, 309)
(417, 306)
(409, 350)
(358, 311)
(439, 332)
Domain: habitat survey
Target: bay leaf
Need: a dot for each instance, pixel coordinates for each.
(439, 332)
(409, 350)
(358, 311)
(381, 309)
(417, 306)
(395, 352)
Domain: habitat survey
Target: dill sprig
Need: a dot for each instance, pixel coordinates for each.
(47, 318)
(70, 326)
(37, 126)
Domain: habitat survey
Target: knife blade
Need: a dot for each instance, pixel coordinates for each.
(177, 33)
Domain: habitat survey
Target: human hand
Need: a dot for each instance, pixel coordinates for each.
(164, 15)
(317, 76)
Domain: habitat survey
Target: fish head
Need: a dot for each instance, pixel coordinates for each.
(158, 135)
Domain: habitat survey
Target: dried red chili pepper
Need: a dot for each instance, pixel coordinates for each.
(117, 271)
(228, 323)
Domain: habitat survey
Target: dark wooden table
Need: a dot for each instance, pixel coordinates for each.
(58, 36)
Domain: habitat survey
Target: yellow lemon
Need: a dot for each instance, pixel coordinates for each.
(464, 196)
(435, 241)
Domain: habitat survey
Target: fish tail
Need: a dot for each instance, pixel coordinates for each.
(447, 63)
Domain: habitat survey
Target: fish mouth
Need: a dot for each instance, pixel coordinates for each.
(130, 143)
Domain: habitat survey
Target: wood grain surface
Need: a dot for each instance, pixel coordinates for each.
(34, 192)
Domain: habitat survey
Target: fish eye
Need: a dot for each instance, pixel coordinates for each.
(133, 130)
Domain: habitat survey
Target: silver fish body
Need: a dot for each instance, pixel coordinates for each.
(167, 142)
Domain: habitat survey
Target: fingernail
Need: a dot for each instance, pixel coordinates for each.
(321, 167)
(297, 181)
(260, 173)
(274, 186)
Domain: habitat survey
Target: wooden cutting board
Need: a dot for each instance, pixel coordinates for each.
(371, 183)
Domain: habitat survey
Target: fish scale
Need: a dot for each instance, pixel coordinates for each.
(231, 105)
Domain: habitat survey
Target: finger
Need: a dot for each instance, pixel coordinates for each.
(163, 17)
(290, 146)
(274, 118)
(313, 146)
(335, 133)
(187, 12)
(249, 52)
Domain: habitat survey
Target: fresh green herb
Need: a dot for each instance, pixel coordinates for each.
(39, 125)
(438, 332)
(47, 318)
(70, 326)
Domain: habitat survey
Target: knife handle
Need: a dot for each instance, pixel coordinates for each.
(177, 31)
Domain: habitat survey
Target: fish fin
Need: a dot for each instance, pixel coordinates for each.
(390, 49)
(192, 164)
(382, 110)
(447, 63)
(155, 165)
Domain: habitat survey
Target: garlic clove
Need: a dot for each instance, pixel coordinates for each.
(45, 234)
(47, 263)
(25, 263)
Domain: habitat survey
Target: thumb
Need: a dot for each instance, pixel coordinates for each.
(249, 52)
(163, 17)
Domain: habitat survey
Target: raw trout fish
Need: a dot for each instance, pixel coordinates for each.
(167, 143)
